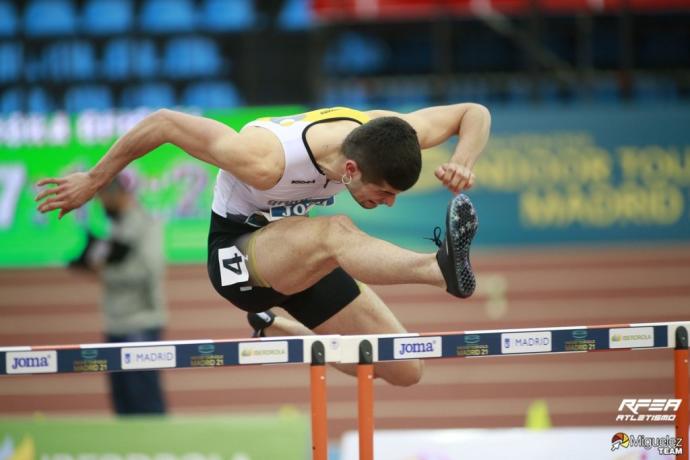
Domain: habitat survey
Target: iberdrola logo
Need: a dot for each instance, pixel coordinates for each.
(619, 440)
(24, 451)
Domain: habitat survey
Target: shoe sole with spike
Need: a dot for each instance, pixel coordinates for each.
(461, 226)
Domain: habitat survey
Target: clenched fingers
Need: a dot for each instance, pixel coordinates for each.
(455, 177)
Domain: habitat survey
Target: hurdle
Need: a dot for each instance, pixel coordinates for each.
(363, 351)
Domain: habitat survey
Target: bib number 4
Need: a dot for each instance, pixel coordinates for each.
(233, 266)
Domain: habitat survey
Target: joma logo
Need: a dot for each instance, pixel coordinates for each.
(417, 347)
(30, 362)
(406, 348)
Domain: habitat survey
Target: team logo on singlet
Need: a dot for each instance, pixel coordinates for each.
(280, 209)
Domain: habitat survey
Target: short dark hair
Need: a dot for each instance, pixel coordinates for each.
(386, 150)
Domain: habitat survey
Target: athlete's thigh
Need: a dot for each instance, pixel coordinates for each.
(288, 254)
(368, 314)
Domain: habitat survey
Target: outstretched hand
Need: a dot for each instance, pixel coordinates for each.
(455, 177)
(70, 192)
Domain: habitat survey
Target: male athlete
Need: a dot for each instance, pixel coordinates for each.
(262, 249)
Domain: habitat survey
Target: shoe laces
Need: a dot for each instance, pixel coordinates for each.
(436, 238)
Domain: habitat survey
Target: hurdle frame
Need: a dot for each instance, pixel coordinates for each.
(363, 351)
(682, 387)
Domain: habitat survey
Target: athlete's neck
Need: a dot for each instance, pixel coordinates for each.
(325, 141)
(332, 162)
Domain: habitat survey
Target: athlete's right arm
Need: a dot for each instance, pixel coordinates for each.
(248, 159)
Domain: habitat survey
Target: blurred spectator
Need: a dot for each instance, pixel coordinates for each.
(130, 265)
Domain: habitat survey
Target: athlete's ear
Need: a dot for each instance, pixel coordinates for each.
(351, 167)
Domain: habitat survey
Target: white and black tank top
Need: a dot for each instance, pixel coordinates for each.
(302, 185)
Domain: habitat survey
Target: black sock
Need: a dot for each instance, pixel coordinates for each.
(260, 321)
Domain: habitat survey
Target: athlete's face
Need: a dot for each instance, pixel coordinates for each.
(369, 195)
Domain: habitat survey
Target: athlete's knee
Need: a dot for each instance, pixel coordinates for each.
(341, 224)
(405, 374)
(337, 228)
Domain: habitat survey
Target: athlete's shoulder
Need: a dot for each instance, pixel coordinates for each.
(331, 113)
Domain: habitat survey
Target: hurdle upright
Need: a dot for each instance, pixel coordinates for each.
(681, 387)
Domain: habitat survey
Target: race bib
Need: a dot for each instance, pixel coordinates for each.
(300, 208)
(233, 266)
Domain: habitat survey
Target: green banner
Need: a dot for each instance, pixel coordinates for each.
(245, 438)
(171, 184)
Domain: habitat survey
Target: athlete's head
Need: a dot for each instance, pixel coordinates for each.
(385, 152)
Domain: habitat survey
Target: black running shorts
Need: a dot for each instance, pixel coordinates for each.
(310, 307)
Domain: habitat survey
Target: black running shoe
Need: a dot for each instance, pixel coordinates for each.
(453, 255)
(260, 321)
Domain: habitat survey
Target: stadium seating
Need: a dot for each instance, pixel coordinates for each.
(50, 18)
(654, 89)
(211, 95)
(518, 91)
(412, 55)
(11, 60)
(605, 90)
(484, 52)
(125, 58)
(168, 16)
(295, 15)
(57, 53)
(406, 94)
(191, 57)
(475, 90)
(95, 97)
(356, 54)
(40, 101)
(8, 19)
(227, 16)
(153, 95)
(104, 17)
(10, 101)
(68, 61)
(350, 95)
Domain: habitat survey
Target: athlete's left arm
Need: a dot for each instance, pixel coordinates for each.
(435, 125)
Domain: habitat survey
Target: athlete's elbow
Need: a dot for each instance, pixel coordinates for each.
(167, 120)
(480, 111)
(161, 121)
(161, 115)
(263, 178)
